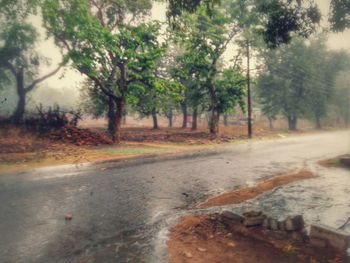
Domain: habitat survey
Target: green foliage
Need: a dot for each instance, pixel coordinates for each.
(200, 69)
(159, 95)
(299, 79)
(18, 49)
(284, 19)
(230, 89)
(341, 98)
(109, 43)
(178, 7)
(340, 15)
(279, 19)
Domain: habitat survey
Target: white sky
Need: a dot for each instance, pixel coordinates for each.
(72, 79)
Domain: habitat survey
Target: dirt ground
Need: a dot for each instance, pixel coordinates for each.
(19, 149)
(214, 238)
(211, 238)
(245, 194)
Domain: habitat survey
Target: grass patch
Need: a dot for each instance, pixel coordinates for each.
(129, 150)
(334, 162)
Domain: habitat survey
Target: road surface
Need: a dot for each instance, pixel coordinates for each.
(119, 210)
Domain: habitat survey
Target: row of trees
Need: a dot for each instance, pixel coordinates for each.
(299, 80)
(129, 59)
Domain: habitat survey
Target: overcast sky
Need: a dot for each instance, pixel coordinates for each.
(70, 78)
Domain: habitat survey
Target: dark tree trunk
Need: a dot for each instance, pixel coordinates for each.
(111, 116)
(155, 120)
(194, 119)
(18, 115)
(318, 122)
(170, 119)
(120, 103)
(214, 119)
(184, 115)
(270, 123)
(225, 120)
(292, 123)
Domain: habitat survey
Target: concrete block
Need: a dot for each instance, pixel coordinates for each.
(252, 214)
(319, 243)
(336, 239)
(294, 223)
(345, 160)
(281, 225)
(254, 221)
(232, 216)
(266, 223)
(273, 224)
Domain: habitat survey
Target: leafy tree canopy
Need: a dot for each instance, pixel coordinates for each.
(340, 15)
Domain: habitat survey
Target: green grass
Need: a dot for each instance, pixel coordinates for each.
(335, 162)
(129, 150)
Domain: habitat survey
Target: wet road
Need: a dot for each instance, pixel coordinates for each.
(120, 212)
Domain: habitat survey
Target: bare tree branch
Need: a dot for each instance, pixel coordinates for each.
(41, 79)
(10, 67)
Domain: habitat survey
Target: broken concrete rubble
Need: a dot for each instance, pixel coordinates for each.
(320, 236)
(232, 216)
(294, 223)
(253, 218)
(324, 236)
(345, 160)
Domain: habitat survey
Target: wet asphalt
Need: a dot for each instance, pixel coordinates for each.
(121, 211)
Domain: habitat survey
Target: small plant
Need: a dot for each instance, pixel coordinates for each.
(54, 118)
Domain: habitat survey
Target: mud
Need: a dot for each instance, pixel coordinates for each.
(212, 239)
(245, 194)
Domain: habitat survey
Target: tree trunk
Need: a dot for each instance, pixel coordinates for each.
(292, 123)
(214, 115)
(18, 115)
(184, 115)
(120, 103)
(111, 117)
(155, 120)
(194, 119)
(318, 123)
(225, 119)
(270, 123)
(170, 118)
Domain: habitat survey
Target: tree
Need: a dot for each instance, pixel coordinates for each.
(340, 15)
(325, 66)
(154, 100)
(107, 42)
(205, 41)
(341, 100)
(280, 19)
(194, 95)
(19, 60)
(299, 80)
(282, 86)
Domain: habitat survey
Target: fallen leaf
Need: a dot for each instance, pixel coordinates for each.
(188, 254)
